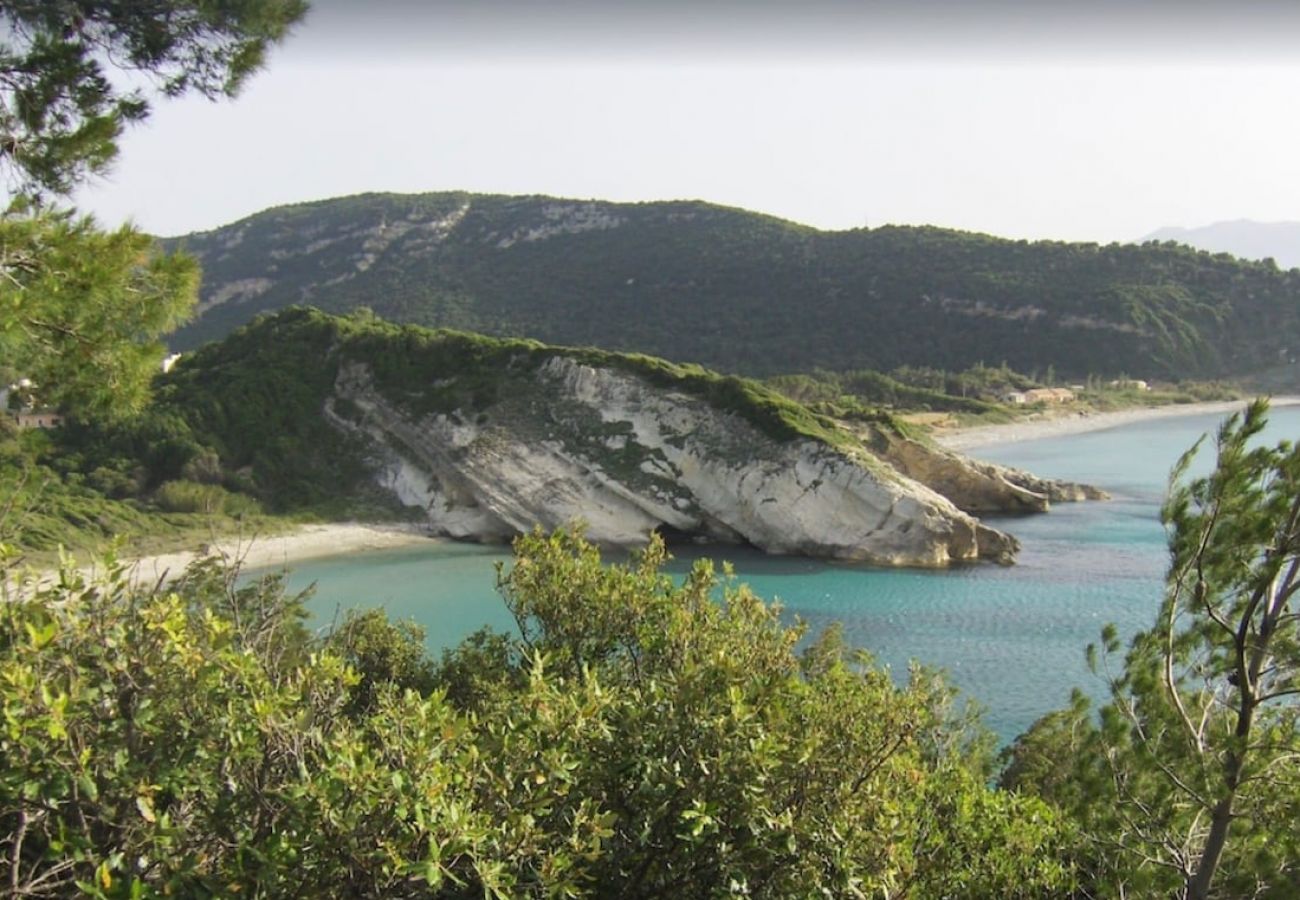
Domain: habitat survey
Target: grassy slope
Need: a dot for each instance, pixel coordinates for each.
(43, 512)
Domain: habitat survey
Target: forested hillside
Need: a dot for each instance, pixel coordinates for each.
(748, 293)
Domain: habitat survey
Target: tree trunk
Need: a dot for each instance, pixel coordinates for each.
(1198, 885)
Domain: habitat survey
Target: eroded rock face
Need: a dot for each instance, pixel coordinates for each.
(979, 488)
(627, 457)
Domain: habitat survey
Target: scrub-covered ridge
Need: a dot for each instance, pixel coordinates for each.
(748, 293)
(487, 438)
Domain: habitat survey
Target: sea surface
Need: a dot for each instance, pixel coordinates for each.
(1012, 638)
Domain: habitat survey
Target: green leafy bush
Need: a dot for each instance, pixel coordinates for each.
(209, 499)
(636, 739)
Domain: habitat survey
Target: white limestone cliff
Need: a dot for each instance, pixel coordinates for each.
(976, 487)
(626, 457)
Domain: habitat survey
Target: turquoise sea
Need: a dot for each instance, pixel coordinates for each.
(1012, 638)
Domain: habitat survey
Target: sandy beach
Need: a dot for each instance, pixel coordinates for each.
(254, 551)
(1078, 423)
(306, 542)
(338, 538)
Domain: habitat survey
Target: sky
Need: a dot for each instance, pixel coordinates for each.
(1098, 121)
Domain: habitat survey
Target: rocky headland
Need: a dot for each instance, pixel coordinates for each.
(489, 438)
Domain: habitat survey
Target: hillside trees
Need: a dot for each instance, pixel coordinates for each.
(744, 293)
(1189, 783)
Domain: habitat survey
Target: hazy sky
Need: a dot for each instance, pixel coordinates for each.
(1097, 121)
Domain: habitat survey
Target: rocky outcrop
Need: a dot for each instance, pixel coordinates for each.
(627, 457)
(979, 488)
(1053, 489)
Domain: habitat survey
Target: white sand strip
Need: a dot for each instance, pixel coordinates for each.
(250, 551)
(306, 542)
(1078, 423)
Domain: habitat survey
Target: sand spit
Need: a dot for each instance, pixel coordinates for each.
(1079, 423)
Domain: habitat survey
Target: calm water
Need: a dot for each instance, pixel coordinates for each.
(1012, 638)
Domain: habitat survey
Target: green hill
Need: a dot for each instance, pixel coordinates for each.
(743, 292)
(484, 438)
(257, 396)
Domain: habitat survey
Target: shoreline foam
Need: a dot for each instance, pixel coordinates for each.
(963, 439)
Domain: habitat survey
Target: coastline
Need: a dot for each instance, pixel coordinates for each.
(963, 439)
(312, 541)
(306, 542)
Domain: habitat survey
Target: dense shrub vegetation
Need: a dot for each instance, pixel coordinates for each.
(637, 738)
(978, 393)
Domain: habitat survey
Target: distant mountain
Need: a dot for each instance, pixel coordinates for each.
(1279, 241)
(748, 293)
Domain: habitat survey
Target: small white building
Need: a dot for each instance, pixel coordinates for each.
(42, 419)
(27, 411)
(1049, 395)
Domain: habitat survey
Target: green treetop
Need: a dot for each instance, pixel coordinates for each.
(1187, 784)
(63, 65)
(81, 310)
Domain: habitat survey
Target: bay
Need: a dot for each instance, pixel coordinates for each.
(1012, 638)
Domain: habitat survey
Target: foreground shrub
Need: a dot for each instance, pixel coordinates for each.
(636, 738)
(152, 746)
(1185, 783)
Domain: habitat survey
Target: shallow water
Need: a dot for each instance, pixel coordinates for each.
(1013, 638)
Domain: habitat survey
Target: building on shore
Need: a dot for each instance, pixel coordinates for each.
(1049, 395)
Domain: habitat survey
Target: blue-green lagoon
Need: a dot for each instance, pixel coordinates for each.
(1013, 638)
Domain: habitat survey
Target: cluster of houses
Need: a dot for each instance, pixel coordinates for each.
(1038, 395)
(1065, 395)
(22, 403)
